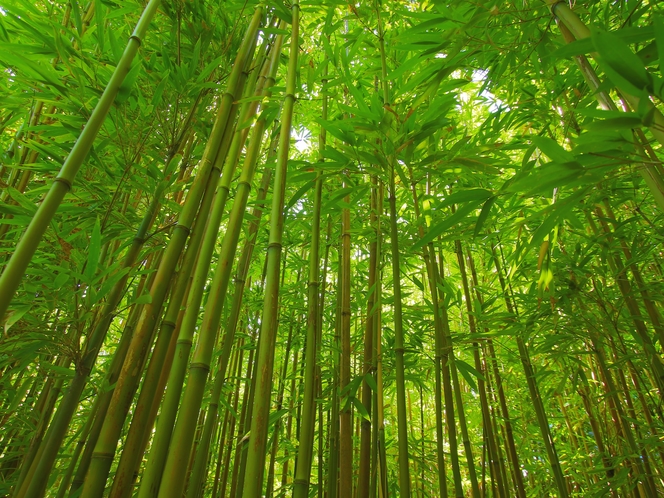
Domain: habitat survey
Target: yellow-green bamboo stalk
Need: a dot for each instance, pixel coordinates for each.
(149, 486)
(253, 478)
(144, 413)
(173, 478)
(130, 375)
(13, 273)
(573, 28)
(305, 450)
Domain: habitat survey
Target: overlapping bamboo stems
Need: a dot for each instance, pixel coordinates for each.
(253, 478)
(182, 439)
(461, 412)
(197, 254)
(333, 459)
(240, 461)
(364, 472)
(498, 430)
(111, 377)
(152, 475)
(322, 424)
(305, 449)
(612, 427)
(625, 287)
(63, 486)
(128, 380)
(58, 428)
(622, 423)
(633, 420)
(48, 398)
(572, 28)
(382, 488)
(402, 429)
(233, 319)
(345, 406)
(441, 364)
(604, 453)
(26, 247)
(484, 402)
(145, 409)
(513, 456)
(244, 417)
(645, 408)
(533, 389)
(241, 282)
(285, 469)
(276, 431)
(598, 348)
(226, 446)
(202, 454)
(648, 303)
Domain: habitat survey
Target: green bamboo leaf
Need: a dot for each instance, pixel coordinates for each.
(467, 195)
(144, 299)
(658, 24)
(621, 123)
(159, 91)
(99, 21)
(450, 221)
(620, 63)
(469, 373)
(484, 214)
(300, 193)
(371, 382)
(115, 46)
(65, 372)
(15, 315)
(360, 408)
(76, 12)
(22, 201)
(196, 57)
(93, 252)
(553, 150)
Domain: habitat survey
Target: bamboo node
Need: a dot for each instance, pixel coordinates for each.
(183, 227)
(553, 5)
(200, 365)
(137, 38)
(64, 181)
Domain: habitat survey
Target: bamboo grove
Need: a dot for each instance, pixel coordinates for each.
(354, 250)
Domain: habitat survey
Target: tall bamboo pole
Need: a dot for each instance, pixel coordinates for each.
(152, 476)
(13, 273)
(441, 361)
(253, 479)
(232, 324)
(533, 389)
(173, 480)
(130, 375)
(333, 459)
(305, 449)
(402, 429)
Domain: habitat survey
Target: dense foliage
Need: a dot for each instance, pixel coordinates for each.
(336, 249)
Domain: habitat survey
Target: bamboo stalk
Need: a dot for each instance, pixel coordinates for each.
(305, 449)
(253, 479)
(15, 269)
(130, 375)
